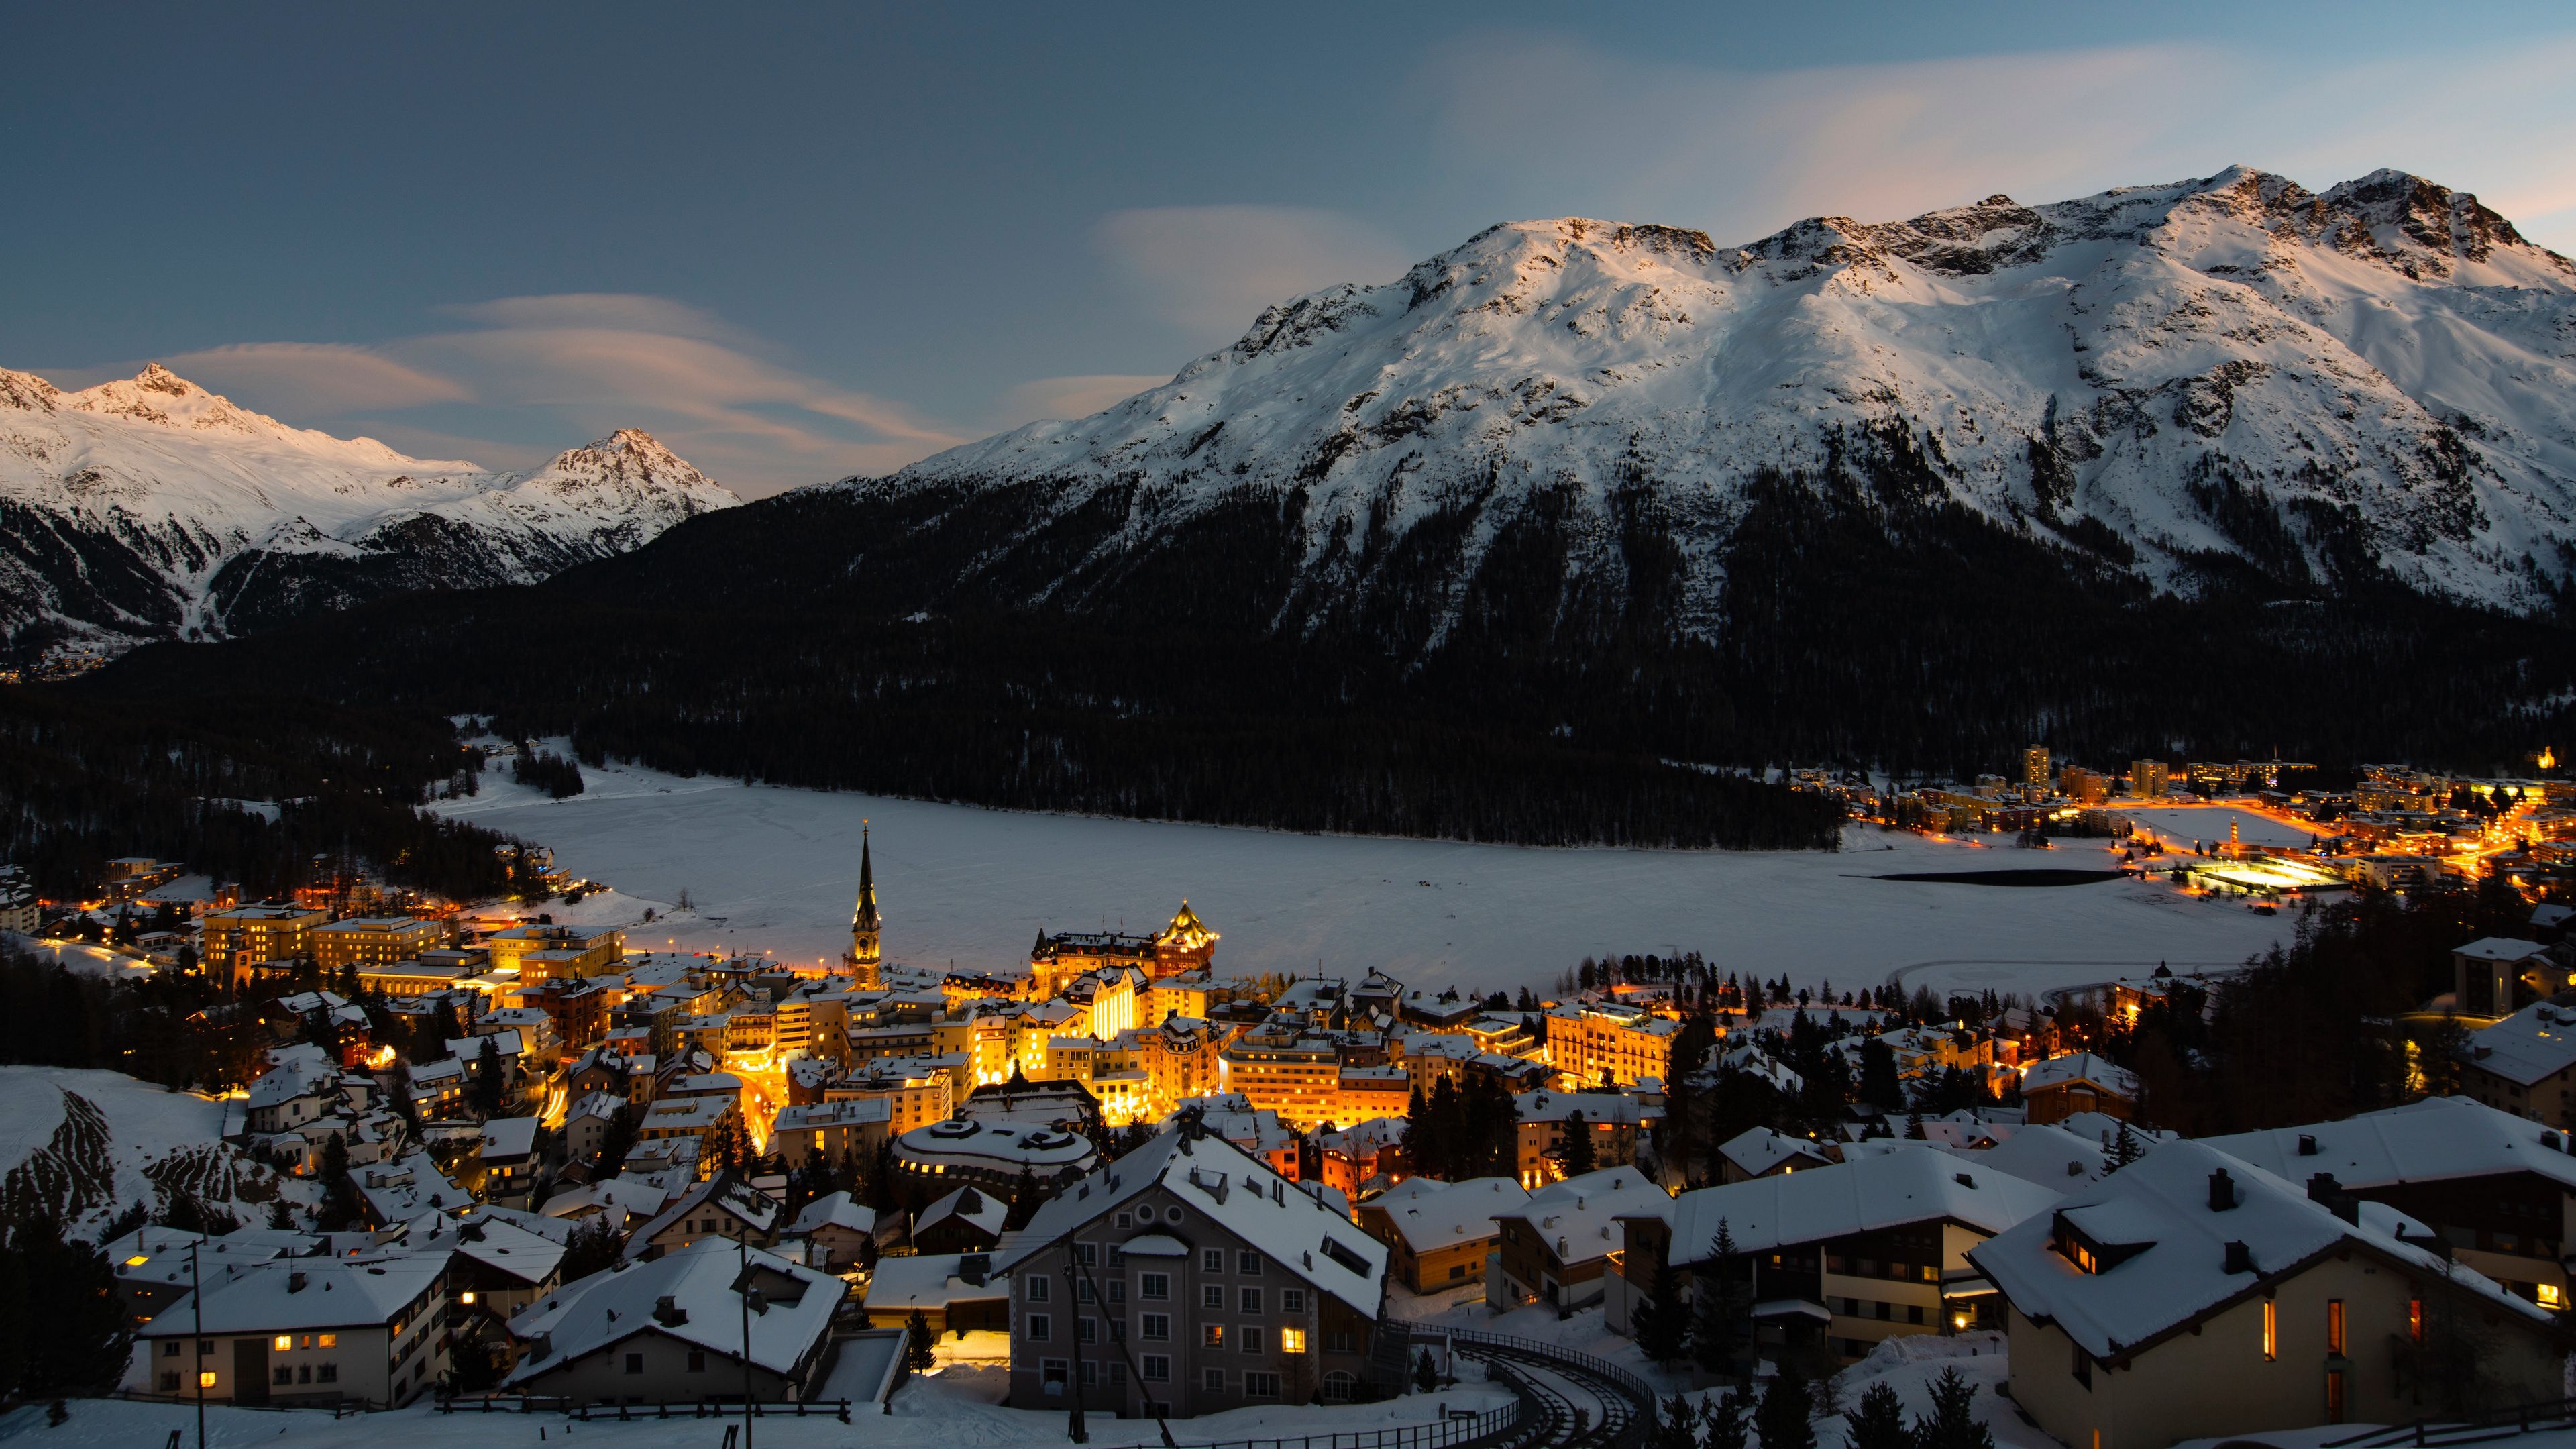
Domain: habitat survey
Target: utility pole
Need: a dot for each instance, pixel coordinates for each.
(1073, 1300)
(742, 1286)
(197, 1350)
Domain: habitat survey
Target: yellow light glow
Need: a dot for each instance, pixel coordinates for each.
(205, 1378)
(138, 1260)
(283, 1342)
(1292, 1340)
(2551, 1296)
(467, 1298)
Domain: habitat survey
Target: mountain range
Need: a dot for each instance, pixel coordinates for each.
(1544, 539)
(149, 508)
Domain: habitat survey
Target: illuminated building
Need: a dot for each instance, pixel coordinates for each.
(366, 941)
(1183, 946)
(2034, 773)
(2147, 779)
(1595, 1041)
(544, 953)
(246, 936)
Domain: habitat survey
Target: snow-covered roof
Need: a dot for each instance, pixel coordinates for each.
(2058, 1071)
(553, 1230)
(619, 1194)
(834, 1210)
(757, 1209)
(400, 1191)
(2500, 948)
(300, 1293)
(2426, 1141)
(1234, 1190)
(509, 1137)
(602, 1105)
(487, 1239)
(932, 1280)
(296, 1079)
(1156, 1245)
(2536, 1042)
(1614, 1107)
(606, 1308)
(1431, 1214)
(1758, 1150)
(1579, 1216)
(1862, 1195)
(978, 1209)
(2173, 1271)
(470, 1048)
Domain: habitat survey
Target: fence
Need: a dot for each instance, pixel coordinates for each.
(1439, 1434)
(2505, 1424)
(586, 1411)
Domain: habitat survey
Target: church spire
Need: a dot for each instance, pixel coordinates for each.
(866, 927)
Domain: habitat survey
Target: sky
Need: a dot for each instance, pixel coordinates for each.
(800, 243)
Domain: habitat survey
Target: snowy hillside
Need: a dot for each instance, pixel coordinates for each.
(151, 508)
(2376, 379)
(82, 1146)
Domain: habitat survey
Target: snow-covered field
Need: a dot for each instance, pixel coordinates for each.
(770, 868)
(144, 1126)
(2187, 823)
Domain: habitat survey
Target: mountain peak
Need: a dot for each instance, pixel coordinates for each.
(631, 461)
(156, 378)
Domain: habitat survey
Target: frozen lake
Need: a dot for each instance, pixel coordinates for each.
(777, 869)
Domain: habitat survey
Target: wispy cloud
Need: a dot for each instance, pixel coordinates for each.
(1743, 153)
(1070, 397)
(1209, 270)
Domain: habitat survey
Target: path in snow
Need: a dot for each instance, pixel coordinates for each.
(776, 869)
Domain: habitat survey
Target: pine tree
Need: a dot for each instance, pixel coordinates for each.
(488, 1081)
(1662, 1321)
(1580, 1155)
(1782, 1420)
(1426, 1374)
(2125, 1149)
(1725, 1418)
(1676, 1427)
(1953, 1422)
(1879, 1421)
(920, 1343)
(1717, 1320)
(593, 1246)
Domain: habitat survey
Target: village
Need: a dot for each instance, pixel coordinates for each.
(532, 1164)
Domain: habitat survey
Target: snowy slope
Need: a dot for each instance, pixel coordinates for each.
(2381, 377)
(152, 508)
(83, 1145)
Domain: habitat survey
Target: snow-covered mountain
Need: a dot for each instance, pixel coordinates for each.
(150, 508)
(2171, 382)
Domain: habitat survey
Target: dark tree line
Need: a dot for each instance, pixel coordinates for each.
(1455, 1133)
(91, 775)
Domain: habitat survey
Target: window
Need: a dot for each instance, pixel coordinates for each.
(1158, 1326)
(1212, 1380)
(1157, 1368)
(1090, 1374)
(1117, 1255)
(170, 1382)
(1117, 1290)
(1146, 1213)
(1040, 1287)
(170, 1348)
(1259, 1385)
(2415, 1321)
(1082, 1292)
(1292, 1300)
(2334, 1326)
(1340, 1386)
(635, 1363)
(304, 1373)
(2334, 1396)
(1341, 1340)
(1914, 1313)
(205, 1378)
(330, 1373)
(1087, 1254)
(2083, 1366)
(1126, 1220)
(1248, 1263)
(1052, 1372)
(1292, 1340)
(1212, 1335)
(1252, 1300)
(1881, 1311)
(2271, 1330)
(283, 1342)
(1212, 1260)
(1118, 1373)
(282, 1375)
(1086, 1330)
(330, 1340)
(1039, 1328)
(1154, 1285)
(1457, 1271)
(1212, 1297)
(1252, 1338)
(697, 1360)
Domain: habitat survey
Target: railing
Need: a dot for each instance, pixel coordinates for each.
(1642, 1400)
(2521, 1419)
(585, 1410)
(1456, 1429)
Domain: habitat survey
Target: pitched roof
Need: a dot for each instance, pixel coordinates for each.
(982, 1210)
(2058, 1071)
(1757, 1150)
(2159, 1207)
(1236, 1192)
(296, 1293)
(931, 1280)
(599, 1311)
(2536, 1042)
(1431, 1214)
(2426, 1141)
(1581, 1213)
(488, 1239)
(1856, 1196)
(834, 1210)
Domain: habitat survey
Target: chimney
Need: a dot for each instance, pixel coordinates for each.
(668, 1312)
(2328, 1193)
(2307, 1144)
(2240, 1258)
(2222, 1191)
(295, 1282)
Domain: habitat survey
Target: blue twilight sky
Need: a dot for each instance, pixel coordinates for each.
(800, 242)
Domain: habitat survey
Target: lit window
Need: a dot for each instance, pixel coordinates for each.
(138, 1260)
(205, 1378)
(2551, 1296)
(330, 1340)
(2334, 1325)
(1292, 1340)
(466, 1298)
(284, 1342)
(2271, 1330)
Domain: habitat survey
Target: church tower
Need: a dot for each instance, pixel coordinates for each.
(865, 925)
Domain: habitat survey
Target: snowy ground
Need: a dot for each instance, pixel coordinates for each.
(84, 959)
(2187, 823)
(776, 869)
(957, 1408)
(144, 1125)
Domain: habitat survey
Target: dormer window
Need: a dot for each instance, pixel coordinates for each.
(2087, 1253)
